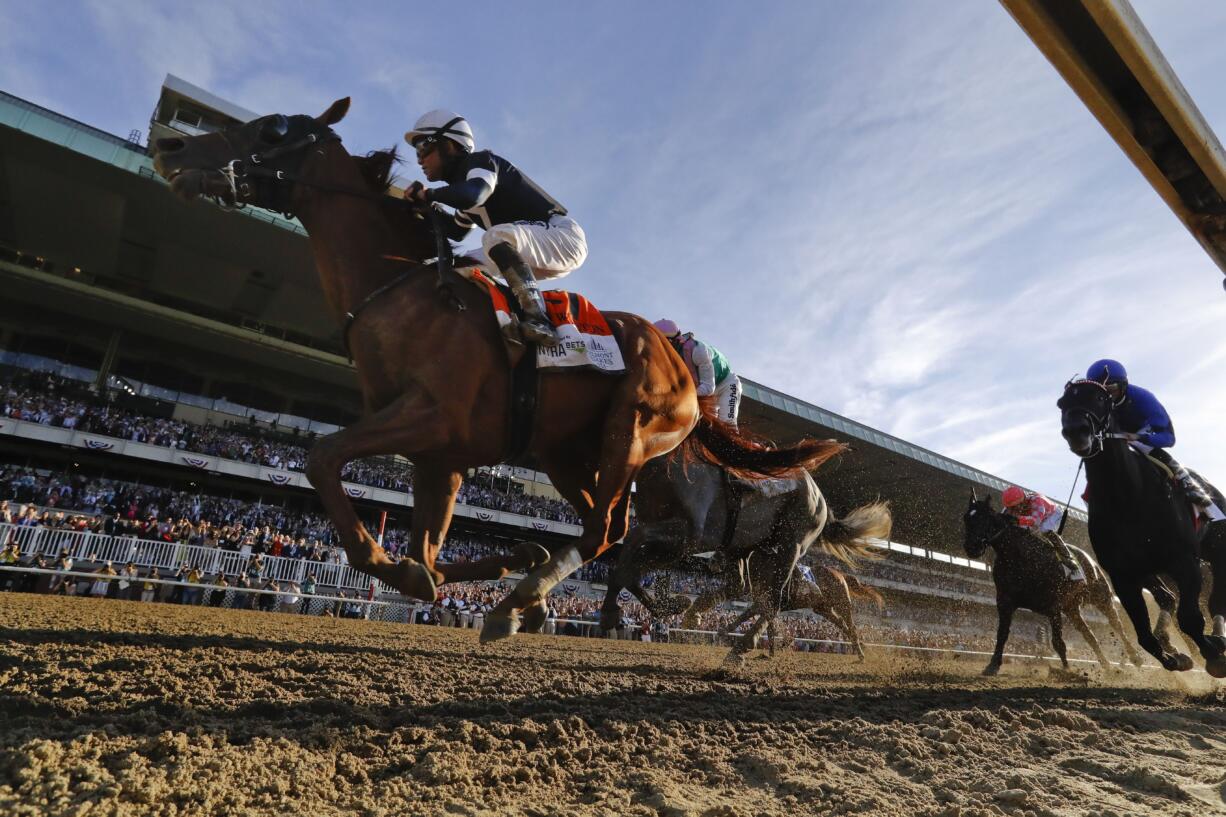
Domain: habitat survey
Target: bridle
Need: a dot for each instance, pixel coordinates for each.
(244, 175)
(1099, 424)
(986, 541)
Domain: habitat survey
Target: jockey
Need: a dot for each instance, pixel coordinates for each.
(1035, 512)
(710, 369)
(1148, 427)
(528, 235)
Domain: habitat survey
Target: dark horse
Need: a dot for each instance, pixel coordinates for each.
(1142, 527)
(436, 379)
(1029, 576)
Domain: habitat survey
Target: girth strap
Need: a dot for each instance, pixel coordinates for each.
(522, 411)
(351, 316)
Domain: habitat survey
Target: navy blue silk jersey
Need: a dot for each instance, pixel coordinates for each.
(1142, 414)
(485, 189)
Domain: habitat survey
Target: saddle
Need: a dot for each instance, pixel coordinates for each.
(1199, 514)
(585, 339)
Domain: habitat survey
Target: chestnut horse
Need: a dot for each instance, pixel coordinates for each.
(435, 380)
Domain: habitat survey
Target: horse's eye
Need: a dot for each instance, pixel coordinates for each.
(274, 128)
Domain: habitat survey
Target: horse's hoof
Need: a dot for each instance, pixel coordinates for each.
(1216, 666)
(1217, 641)
(532, 620)
(531, 555)
(498, 627)
(415, 580)
(1177, 662)
(735, 660)
(991, 669)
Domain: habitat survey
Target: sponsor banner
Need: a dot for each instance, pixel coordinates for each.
(354, 492)
(279, 478)
(97, 445)
(195, 462)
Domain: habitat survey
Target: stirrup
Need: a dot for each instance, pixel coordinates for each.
(1196, 495)
(538, 332)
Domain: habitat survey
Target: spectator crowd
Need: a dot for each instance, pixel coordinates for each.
(46, 399)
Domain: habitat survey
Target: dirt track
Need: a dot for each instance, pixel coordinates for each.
(153, 709)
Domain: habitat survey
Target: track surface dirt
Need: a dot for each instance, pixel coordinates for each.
(111, 707)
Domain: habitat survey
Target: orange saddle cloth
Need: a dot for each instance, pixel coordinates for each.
(587, 342)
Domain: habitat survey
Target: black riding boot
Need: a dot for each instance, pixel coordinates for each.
(535, 326)
(1065, 554)
(1196, 494)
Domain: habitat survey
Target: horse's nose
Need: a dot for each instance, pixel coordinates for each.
(171, 145)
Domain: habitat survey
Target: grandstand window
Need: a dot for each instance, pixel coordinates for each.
(187, 117)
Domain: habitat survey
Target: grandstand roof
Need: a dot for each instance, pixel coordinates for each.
(118, 248)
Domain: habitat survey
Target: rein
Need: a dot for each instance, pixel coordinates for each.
(237, 171)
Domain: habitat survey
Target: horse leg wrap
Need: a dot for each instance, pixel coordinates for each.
(538, 584)
(535, 326)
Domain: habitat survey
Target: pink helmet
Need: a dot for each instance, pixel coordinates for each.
(669, 328)
(1013, 495)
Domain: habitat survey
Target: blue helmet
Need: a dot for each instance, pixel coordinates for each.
(1107, 371)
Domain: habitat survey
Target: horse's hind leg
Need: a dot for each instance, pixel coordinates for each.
(749, 639)
(702, 604)
(1215, 555)
(1107, 607)
(1192, 621)
(1129, 593)
(434, 492)
(1080, 623)
(623, 452)
(1057, 637)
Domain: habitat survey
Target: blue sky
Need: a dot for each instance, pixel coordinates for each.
(896, 210)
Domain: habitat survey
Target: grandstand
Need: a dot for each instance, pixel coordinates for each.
(182, 352)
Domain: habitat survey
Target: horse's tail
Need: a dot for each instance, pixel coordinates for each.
(748, 456)
(857, 590)
(847, 539)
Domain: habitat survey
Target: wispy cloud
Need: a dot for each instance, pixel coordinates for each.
(897, 212)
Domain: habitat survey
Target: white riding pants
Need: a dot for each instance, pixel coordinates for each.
(552, 249)
(728, 399)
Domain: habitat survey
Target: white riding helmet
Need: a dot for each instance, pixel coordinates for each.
(444, 124)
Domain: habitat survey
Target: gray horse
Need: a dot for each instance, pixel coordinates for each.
(758, 531)
(822, 589)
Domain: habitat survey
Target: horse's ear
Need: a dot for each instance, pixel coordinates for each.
(335, 113)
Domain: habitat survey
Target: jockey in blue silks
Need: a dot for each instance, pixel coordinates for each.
(1148, 427)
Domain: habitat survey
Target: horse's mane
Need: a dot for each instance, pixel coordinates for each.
(376, 168)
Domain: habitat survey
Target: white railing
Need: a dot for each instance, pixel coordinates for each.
(86, 546)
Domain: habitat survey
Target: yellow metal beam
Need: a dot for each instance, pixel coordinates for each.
(1105, 54)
